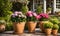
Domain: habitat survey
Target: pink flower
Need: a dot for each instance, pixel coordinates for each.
(29, 12)
(34, 14)
(30, 15)
(38, 17)
(16, 12)
(43, 15)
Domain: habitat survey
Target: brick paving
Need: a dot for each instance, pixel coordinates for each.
(37, 33)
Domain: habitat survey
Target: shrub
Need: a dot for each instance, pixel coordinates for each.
(5, 7)
(24, 9)
(16, 6)
(39, 10)
(55, 26)
(2, 22)
(54, 20)
(9, 26)
(47, 25)
(59, 27)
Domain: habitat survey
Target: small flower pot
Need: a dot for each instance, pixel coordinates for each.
(18, 27)
(41, 25)
(31, 26)
(2, 27)
(48, 31)
(54, 32)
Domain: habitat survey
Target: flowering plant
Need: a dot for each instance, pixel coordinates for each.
(42, 17)
(31, 16)
(18, 17)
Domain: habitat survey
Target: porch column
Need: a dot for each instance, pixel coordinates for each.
(54, 6)
(44, 6)
(33, 6)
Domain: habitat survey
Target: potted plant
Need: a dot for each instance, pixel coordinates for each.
(31, 21)
(49, 10)
(42, 18)
(54, 20)
(55, 29)
(48, 27)
(2, 25)
(18, 20)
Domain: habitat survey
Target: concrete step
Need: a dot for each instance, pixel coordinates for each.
(37, 33)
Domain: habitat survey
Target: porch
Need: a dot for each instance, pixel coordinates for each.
(37, 33)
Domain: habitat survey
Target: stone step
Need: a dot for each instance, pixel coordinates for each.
(37, 33)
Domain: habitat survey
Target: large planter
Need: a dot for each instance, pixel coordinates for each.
(18, 27)
(31, 26)
(2, 27)
(41, 25)
(55, 32)
(48, 31)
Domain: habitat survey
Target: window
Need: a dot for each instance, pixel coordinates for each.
(37, 3)
(58, 4)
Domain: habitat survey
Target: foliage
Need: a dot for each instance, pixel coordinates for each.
(24, 2)
(47, 25)
(18, 17)
(43, 17)
(54, 20)
(24, 9)
(5, 7)
(16, 6)
(39, 9)
(31, 16)
(55, 26)
(49, 8)
(59, 27)
(2, 22)
(9, 26)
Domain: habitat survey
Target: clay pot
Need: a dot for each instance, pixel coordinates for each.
(48, 31)
(41, 25)
(18, 27)
(31, 26)
(2, 27)
(55, 32)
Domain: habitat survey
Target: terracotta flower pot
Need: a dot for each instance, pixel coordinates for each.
(18, 27)
(48, 31)
(54, 32)
(2, 27)
(41, 25)
(31, 26)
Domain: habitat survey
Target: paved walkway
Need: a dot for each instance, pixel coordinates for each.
(38, 33)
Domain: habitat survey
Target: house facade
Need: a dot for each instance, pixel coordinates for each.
(54, 4)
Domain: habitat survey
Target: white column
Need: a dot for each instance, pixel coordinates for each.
(54, 6)
(44, 6)
(33, 5)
